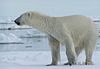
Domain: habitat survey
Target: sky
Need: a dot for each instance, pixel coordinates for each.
(50, 7)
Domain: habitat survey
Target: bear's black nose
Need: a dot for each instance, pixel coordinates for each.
(17, 22)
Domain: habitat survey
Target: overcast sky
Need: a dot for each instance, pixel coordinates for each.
(50, 7)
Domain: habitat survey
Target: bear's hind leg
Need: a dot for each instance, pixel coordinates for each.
(89, 52)
(55, 50)
(70, 52)
(89, 49)
(79, 48)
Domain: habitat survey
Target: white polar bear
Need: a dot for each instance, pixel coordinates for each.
(76, 32)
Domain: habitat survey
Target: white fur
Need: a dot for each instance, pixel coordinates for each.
(76, 32)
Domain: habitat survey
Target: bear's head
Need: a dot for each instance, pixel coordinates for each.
(29, 18)
(24, 19)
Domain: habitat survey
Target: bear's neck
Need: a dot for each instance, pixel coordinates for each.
(45, 24)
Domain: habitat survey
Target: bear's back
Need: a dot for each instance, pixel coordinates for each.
(75, 22)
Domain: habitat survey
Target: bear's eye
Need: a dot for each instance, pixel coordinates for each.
(29, 14)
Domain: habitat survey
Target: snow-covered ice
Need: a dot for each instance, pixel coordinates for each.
(37, 56)
(38, 60)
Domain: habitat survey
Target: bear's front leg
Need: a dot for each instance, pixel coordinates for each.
(55, 50)
(70, 52)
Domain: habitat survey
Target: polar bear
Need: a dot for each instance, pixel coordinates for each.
(76, 32)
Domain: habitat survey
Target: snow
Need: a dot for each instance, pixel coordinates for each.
(4, 38)
(39, 60)
(35, 52)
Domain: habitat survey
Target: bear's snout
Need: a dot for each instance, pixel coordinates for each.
(17, 22)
